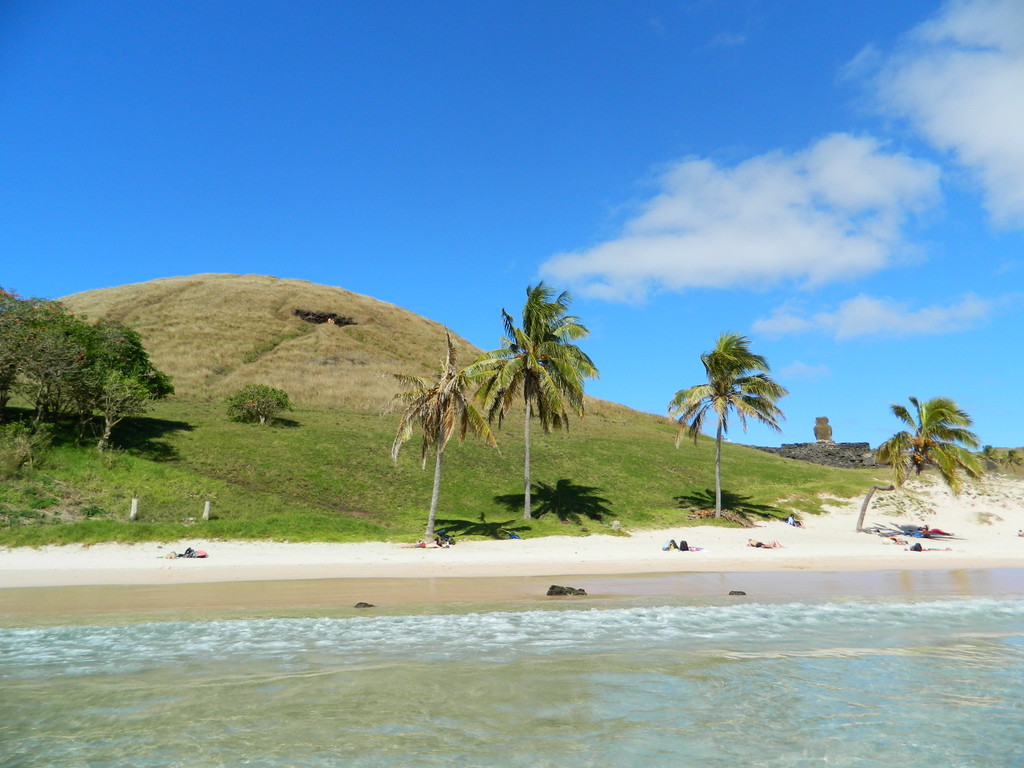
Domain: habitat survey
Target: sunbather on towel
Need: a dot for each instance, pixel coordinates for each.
(187, 553)
(682, 546)
(763, 545)
(918, 548)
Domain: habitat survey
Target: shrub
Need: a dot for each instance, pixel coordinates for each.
(20, 446)
(257, 403)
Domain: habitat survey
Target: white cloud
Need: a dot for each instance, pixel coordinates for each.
(868, 316)
(959, 80)
(829, 213)
(805, 371)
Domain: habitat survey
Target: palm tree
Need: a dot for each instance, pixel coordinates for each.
(738, 381)
(539, 363)
(442, 409)
(937, 437)
(940, 439)
(991, 454)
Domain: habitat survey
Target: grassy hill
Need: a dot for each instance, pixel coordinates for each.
(325, 472)
(216, 333)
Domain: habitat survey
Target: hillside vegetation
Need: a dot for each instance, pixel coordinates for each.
(324, 473)
(216, 333)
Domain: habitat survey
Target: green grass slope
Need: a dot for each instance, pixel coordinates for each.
(324, 473)
(328, 476)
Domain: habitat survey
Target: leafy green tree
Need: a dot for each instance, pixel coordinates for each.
(257, 403)
(442, 408)
(539, 364)
(62, 363)
(738, 381)
(937, 437)
(1013, 457)
(15, 318)
(116, 378)
(113, 346)
(53, 361)
(119, 396)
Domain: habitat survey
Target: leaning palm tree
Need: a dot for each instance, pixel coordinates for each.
(738, 381)
(539, 364)
(442, 408)
(937, 437)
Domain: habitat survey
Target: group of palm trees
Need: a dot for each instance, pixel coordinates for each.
(539, 365)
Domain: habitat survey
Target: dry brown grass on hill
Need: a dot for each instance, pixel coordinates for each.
(216, 333)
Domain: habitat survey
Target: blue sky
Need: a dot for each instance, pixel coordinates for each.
(842, 182)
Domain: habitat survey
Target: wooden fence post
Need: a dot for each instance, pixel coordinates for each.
(206, 511)
(133, 515)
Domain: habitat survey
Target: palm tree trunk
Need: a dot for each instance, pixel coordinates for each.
(718, 470)
(429, 535)
(527, 503)
(867, 501)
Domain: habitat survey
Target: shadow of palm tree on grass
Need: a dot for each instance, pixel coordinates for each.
(565, 500)
(738, 505)
(493, 530)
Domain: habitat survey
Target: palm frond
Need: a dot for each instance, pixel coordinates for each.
(939, 439)
(536, 362)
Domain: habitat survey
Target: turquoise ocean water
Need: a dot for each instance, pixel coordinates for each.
(850, 682)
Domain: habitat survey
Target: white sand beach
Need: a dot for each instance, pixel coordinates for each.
(984, 520)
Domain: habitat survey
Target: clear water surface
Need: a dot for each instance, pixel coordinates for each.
(887, 683)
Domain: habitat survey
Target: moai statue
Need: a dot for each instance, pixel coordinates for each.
(822, 429)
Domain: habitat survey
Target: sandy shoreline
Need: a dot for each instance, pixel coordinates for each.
(985, 520)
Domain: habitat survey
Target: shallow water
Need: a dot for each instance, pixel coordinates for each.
(844, 683)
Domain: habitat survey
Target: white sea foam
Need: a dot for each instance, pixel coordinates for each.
(499, 636)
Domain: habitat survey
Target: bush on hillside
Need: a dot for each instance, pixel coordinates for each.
(20, 447)
(257, 403)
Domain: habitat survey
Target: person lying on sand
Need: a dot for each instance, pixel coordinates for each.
(762, 545)
(682, 546)
(928, 533)
(187, 553)
(898, 540)
(918, 548)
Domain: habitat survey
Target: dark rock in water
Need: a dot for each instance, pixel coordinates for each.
(555, 590)
(737, 592)
(364, 605)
